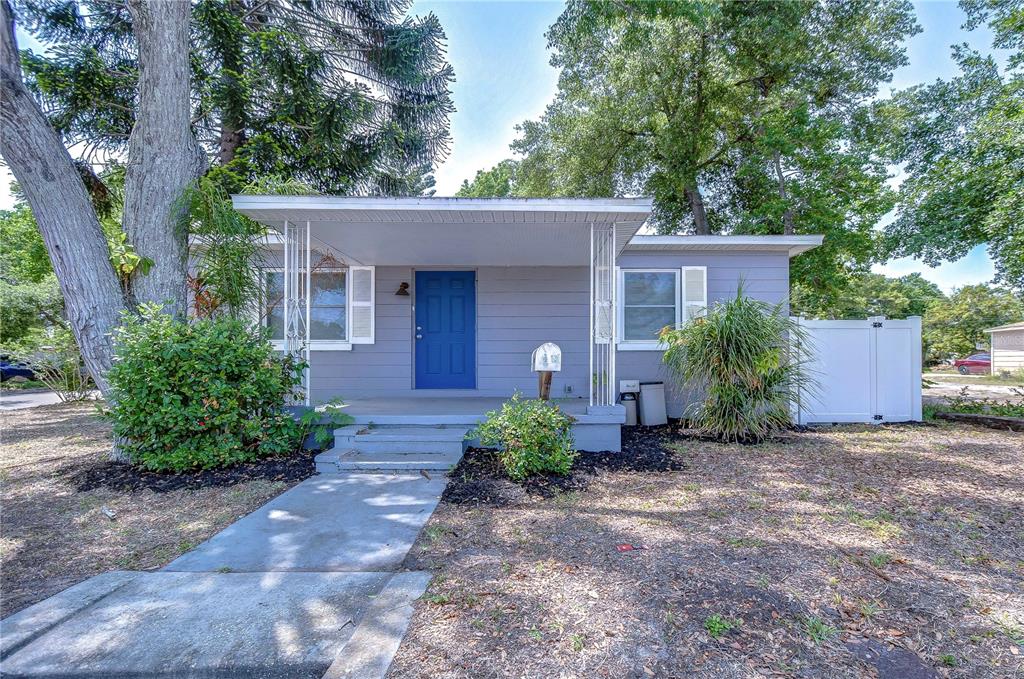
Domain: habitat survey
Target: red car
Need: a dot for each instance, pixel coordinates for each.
(975, 363)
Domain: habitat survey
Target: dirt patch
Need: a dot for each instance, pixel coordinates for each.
(57, 489)
(851, 551)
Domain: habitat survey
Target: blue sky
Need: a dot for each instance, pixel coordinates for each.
(503, 77)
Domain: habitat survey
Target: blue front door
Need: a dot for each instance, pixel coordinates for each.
(445, 329)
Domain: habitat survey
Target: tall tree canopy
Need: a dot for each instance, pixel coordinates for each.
(954, 327)
(872, 294)
(347, 96)
(962, 145)
(735, 116)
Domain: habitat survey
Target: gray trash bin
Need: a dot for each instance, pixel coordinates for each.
(628, 401)
(652, 404)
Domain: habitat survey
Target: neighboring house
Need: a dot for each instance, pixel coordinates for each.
(1007, 348)
(434, 305)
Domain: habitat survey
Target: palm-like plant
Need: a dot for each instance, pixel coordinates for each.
(738, 356)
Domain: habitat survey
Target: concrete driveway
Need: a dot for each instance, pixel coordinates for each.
(303, 586)
(19, 400)
(942, 390)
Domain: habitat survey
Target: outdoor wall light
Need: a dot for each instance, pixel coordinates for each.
(403, 290)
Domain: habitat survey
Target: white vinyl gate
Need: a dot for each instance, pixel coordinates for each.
(861, 371)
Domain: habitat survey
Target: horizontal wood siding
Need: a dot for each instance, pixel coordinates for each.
(1007, 351)
(378, 369)
(765, 277)
(518, 308)
(1007, 360)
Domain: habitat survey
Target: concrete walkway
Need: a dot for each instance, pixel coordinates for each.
(331, 522)
(302, 586)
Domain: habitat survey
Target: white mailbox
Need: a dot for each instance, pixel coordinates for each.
(547, 358)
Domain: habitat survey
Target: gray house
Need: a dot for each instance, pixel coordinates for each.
(425, 311)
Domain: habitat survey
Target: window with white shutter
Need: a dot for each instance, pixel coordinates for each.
(648, 301)
(341, 307)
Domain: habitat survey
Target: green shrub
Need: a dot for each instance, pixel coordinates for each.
(963, 402)
(534, 437)
(200, 395)
(737, 357)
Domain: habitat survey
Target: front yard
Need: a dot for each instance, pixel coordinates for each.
(69, 514)
(851, 551)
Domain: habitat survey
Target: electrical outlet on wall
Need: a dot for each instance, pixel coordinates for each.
(568, 388)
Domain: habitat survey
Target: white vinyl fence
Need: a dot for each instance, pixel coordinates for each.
(861, 371)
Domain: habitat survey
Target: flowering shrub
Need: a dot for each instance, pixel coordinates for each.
(534, 436)
(200, 395)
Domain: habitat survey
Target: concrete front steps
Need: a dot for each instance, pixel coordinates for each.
(394, 448)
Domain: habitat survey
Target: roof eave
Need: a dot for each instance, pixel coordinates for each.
(792, 245)
(343, 203)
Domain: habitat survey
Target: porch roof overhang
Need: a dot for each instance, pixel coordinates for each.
(452, 231)
(792, 245)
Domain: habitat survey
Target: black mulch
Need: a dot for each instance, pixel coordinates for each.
(116, 476)
(479, 480)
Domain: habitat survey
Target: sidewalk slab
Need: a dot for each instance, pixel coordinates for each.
(19, 629)
(327, 523)
(372, 647)
(211, 625)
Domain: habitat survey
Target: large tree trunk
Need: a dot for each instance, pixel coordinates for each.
(788, 227)
(61, 207)
(163, 154)
(700, 215)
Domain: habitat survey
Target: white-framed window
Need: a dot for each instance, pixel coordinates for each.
(648, 301)
(651, 299)
(329, 308)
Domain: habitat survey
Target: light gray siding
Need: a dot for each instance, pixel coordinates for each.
(765, 277)
(1007, 351)
(519, 308)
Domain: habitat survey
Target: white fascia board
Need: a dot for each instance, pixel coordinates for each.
(270, 239)
(1018, 327)
(341, 203)
(794, 245)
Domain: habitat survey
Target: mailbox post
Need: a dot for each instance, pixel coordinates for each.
(547, 358)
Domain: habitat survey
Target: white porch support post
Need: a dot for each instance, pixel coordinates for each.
(297, 288)
(602, 315)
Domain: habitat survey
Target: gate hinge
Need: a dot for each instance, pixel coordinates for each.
(876, 324)
(879, 417)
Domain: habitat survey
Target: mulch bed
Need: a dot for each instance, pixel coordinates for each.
(481, 481)
(851, 551)
(114, 476)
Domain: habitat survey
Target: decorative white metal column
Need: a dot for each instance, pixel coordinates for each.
(602, 315)
(297, 294)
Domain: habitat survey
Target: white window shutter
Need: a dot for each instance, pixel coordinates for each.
(361, 303)
(695, 292)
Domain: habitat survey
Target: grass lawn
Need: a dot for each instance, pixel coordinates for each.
(27, 385)
(842, 552)
(57, 488)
